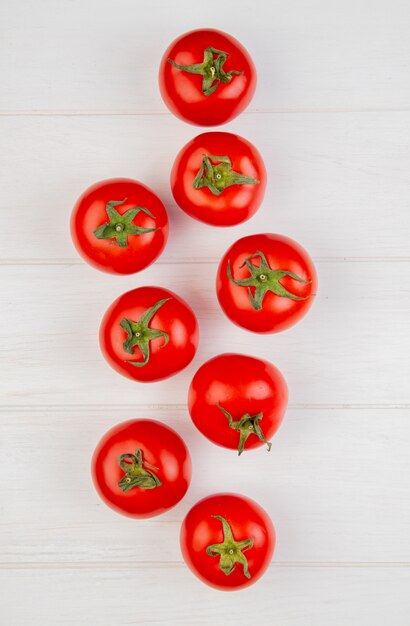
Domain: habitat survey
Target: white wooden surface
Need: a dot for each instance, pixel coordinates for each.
(79, 102)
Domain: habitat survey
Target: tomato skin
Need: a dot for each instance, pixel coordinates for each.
(162, 448)
(277, 313)
(236, 203)
(240, 384)
(247, 520)
(182, 91)
(89, 213)
(175, 318)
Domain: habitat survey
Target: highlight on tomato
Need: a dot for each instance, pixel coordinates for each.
(119, 226)
(148, 334)
(141, 468)
(266, 283)
(219, 178)
(206, 77)
(238, 401)
(227, 540)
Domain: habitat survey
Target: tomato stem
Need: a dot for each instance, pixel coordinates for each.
(140, 334)
(120, 226)
(211, 69)
(263, 279)
(219, 176)
(135, 473)
(229, 550)
(247, 425)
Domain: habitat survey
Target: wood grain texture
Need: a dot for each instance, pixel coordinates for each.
(302, 597)
(335, 485)
(341, 353)
(104, 56)
(338, 183)
(79, 102)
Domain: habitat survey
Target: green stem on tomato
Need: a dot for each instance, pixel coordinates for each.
(219, 176)
(136, 474)
(263, 279)
(229, 550)
(140, 334)
(211, 69)
(247, 425)
(120, 226)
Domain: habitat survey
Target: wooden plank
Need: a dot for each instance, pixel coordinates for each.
(335, 484)
(135, 595)
(341, 353)
(93, 56)
(79, 102)
(338, 183)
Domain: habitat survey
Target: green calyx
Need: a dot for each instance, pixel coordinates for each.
(136, 474)
(230, 551)
(265, 279)
(246, 426)
(220, 176)
(140, 334)
(119, 227)
(211, 69)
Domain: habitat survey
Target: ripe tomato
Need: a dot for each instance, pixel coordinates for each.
(266, 283)
(119, 226)
(219, 178)
(148, 334)
(141, 468)
(238, 401)
(227, 540)
(206, 77)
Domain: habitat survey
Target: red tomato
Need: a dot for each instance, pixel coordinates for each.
(119, 226)
(141, 468)
(219, 178)
(266, 283)
(206, 77)
(148, 334)
(227, 540)
(238, 401)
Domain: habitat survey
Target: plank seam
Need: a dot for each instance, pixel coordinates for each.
(178, 407)
(249, 112)
(180, 564)
(78, 262)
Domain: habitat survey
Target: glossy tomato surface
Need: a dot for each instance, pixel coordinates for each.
(148, 334)
(151, 486)
(119, 226)
(219, 178)
(211, 92)
(238, 401)
(266, 283)
(227, 540)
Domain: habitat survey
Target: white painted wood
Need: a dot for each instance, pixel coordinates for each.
(301, 597)
(98, 55)
(338, 183)
(345, 351)
(335, 485)
(79, 102)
